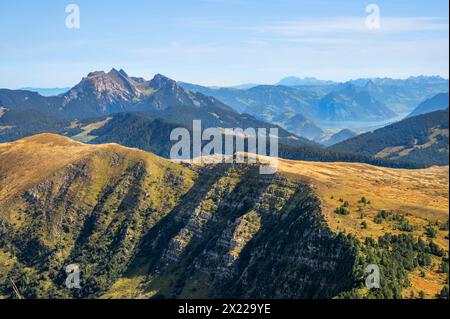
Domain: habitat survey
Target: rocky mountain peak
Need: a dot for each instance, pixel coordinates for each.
(113, 82)
(349, 87)
(120, 74)
(95, 74)
(160, 81)
(370, 84)
(123, 73)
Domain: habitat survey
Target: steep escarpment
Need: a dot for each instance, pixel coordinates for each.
(227, 240)
(91, 209)
(125, 216)
(139, 226)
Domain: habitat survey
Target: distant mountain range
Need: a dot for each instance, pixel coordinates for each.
(296, 81)
(437, 102)
(47, 91)
(338, 137)
(350, 103)
(244, 86)
(291, 108)
(101, 94)
(297, 105)
(268, 101)
(402, 96)
(421, 139)
(316, 101)
(297, 123)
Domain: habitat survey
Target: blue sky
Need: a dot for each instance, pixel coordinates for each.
(221, 42)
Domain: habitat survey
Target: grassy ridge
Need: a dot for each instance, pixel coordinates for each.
(140, 226)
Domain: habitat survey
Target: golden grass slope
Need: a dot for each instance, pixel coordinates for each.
(420, 193)
(421, 196)
(26, 162)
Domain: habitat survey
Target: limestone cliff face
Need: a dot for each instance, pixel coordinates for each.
(256, 237)
(126, 216)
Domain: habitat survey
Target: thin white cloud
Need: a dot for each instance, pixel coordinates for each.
(352, 25)
(231, 2)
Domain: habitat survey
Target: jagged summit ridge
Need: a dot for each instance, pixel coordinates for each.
(102, 93)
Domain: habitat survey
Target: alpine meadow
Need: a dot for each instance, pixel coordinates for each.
(198, 151)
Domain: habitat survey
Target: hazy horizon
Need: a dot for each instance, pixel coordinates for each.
(218, 85)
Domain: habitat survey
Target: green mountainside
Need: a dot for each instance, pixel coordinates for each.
(139, 130)
(436, 103)
(421, 139)
(139, 226)
(19, 123)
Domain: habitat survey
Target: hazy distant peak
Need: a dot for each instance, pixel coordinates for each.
(95, 74)
(348, 87)
(47, 91)
(426, 77)
(370, 83)
(296, 81)
(160, 81)
(435, 103)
